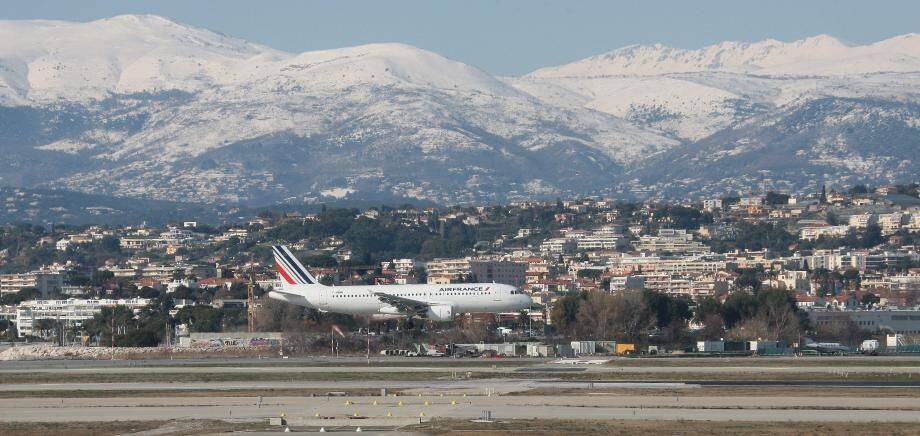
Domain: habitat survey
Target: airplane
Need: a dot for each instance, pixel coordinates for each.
(381, 302)
(834, 348)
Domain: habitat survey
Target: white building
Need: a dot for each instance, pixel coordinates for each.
(862, 221)
(240, 234)
(892, 222)
(452, 268)
(401, 266)
(70, 312)
(711, 205)
(523, 233)
(141, 243)
(556, 246)
(812, 233)
(176, 236)
(671, 241)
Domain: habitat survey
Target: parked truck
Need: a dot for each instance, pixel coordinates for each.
(869, 347)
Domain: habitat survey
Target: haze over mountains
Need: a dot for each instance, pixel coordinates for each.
(145, 107)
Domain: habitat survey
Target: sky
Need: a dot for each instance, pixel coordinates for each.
(505, 37)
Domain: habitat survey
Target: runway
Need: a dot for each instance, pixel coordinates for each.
(507, 368)
(523, 389)
(802, 409)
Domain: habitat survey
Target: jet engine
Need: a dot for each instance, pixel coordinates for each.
(440, 313)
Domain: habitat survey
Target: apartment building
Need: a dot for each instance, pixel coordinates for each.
(671, 241)
(70, 312)
(862, 221)
(404, 266)
(499, 271)
(892, 222)
(447, 269)
(557, 246)
(812, 233)
(44, 281)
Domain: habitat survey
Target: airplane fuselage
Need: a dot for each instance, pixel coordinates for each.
(365, 300)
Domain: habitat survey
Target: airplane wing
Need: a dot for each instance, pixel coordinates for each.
(404, 304)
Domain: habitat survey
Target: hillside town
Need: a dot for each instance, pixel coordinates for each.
(835, 265)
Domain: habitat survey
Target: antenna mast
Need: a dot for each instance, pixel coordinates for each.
(250, 288)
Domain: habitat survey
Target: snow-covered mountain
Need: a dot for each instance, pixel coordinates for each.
(821, 55)
(47, 61)
(142, 106)
(842, 141)
(691, 94)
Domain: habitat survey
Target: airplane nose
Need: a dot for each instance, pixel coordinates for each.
(526, 300)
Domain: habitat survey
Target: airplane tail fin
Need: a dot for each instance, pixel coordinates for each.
(290, 269)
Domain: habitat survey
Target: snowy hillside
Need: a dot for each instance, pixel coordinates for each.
(820, 55)
(45, 61)
(691, 94)
(843, 141)
(143, 106)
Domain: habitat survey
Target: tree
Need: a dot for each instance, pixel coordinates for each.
(667, 308)
(101, 277)
(523, 320)
(595, 316)
(870, 299)
(24, 294)
(274, 315)
(623, 316)
(771, 315)
(44, 327)
(201, 318)
(119, 317)
(780, 315)
(852, 279)
(708, 312)
(592, 274)
(681, 217)
(872, 236)
(139, 337)
(565, 313)
(774, 198)
(757, 237)
(9, 333)
(749, 280)
(738, 306)
(148, 292)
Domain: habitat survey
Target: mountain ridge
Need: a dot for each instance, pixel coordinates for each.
(767, 57)
(158, 109)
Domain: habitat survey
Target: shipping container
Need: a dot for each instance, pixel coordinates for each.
(710, 346)
(735, 346)
(605, 347)
(583, 348)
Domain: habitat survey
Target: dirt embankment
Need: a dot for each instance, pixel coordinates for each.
(51, 352)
